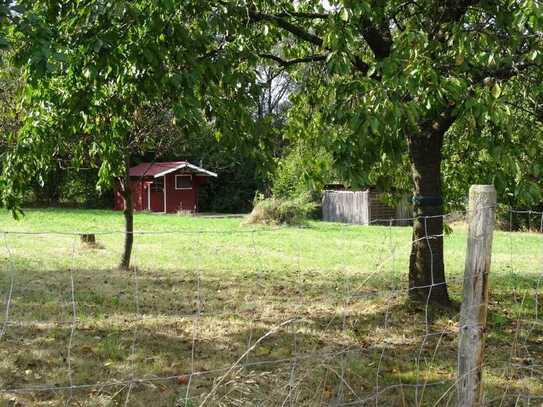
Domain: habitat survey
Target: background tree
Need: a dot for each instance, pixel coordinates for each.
(10, 111)
(394, 77)
(6, 11)
(100, 65)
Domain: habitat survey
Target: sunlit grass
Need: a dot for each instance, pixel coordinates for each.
(218, 285)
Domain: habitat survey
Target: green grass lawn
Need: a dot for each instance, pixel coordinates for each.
(204, 290)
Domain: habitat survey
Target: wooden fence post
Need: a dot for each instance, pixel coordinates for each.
(482, 217)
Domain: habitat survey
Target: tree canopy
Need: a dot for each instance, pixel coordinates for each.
(106, 62)
(377, 69)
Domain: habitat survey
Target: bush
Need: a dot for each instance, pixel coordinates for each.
(281, 211)
(302, 171)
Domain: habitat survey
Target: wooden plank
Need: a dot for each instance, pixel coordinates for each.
(346, 207)
(482, 217)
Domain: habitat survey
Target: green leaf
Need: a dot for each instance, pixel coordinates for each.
(496, 91)
(374, 123)
(459, 60)
(344, 15)
(98, 45)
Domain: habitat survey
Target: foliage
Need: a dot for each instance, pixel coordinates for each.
(79, 189)
(243, 168)
(169, 77)
(372, 95)
(91, 87)
(303, 170)
(6, 11)
(506, 152)
(10, 114)
(371, 72)
(517, 179)
(10, 111)
(281, 211)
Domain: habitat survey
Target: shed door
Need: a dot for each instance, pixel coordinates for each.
(156, 194)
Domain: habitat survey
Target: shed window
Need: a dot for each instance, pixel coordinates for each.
(157, 185)
(183, 182)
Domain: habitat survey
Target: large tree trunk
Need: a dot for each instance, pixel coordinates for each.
(426, 269)
(129, 219)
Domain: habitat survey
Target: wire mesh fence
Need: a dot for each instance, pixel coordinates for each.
(238, 316)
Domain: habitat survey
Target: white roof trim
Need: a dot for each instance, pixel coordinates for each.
(187, 165)
(202, 170)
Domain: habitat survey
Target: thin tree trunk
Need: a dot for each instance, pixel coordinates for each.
(427, 282)
(129, 219)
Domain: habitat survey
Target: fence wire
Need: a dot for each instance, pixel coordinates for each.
(282, 332)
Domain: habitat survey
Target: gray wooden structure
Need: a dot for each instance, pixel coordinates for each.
(363, 208)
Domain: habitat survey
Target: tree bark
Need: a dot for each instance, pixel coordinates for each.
(427, 282)
(129, 219)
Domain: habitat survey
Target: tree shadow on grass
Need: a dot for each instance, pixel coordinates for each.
(366, 347)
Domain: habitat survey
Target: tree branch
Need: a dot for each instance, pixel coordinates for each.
(293, 29)
(535, 114)
(361, 66)
(503, 73)
(449, 11)
(378, 38)
(454, 10)
(313, 16)
(289, 62)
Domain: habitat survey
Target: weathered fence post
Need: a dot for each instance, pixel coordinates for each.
(482, 217)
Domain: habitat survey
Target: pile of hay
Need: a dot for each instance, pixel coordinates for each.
(281, 211)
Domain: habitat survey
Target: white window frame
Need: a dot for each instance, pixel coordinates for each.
(165, 197)
(183, 175)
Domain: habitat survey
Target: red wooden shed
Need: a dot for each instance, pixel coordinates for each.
(166, 187)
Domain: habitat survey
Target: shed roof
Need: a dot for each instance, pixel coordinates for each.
(159, 169)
